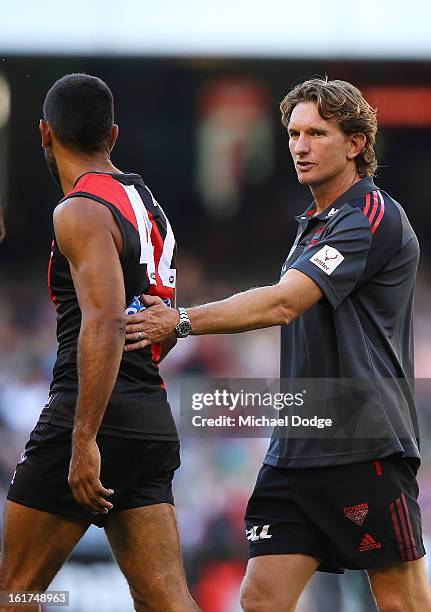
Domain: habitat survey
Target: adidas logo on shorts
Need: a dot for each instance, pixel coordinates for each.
(368, 543)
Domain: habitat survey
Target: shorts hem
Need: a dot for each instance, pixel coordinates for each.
(143, 505)
(383, 562)
(332, 568)
(36, 506)
(90, 521)
(322, 567)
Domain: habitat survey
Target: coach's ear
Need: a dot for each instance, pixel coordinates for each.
(45, 133)
(114, 135)
(356, 142)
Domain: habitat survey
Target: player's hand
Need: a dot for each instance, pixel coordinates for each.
(84, 477)
(154, 324)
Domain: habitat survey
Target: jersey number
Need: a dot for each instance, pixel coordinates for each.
(155, 252)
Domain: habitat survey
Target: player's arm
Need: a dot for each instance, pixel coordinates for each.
(85, 233)
(253, 309)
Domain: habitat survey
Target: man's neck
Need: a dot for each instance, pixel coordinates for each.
(325, 194)
(72, 166)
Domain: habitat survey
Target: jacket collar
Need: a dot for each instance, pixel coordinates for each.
(358, 190)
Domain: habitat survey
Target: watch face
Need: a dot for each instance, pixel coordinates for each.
(183, 329)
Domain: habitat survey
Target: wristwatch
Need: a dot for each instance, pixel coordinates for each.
(184, 327)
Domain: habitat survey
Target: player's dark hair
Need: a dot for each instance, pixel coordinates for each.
(344, 102)
(80, 109)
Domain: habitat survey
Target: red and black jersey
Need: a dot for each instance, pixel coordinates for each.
(138, 406)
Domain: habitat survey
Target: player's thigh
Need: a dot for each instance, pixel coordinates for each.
(275, 582)
(401, 587)
(35, 545)
(146, 544)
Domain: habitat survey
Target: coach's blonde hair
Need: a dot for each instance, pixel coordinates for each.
(345, 103)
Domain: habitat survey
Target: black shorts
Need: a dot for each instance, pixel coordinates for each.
(139, 471)
(358, 516)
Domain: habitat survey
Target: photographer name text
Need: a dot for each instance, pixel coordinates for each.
(260, 421)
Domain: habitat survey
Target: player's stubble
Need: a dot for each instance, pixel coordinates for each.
(52, 166)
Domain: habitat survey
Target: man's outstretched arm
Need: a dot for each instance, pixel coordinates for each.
(85, 234)
(252, 309)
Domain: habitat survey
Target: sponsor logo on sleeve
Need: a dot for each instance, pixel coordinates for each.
(327, 259)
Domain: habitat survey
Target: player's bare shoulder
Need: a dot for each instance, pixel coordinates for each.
(80, 219)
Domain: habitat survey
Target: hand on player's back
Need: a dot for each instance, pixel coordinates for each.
(154, 324)
(84, 477)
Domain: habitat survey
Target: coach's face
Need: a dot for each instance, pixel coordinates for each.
(320, 150)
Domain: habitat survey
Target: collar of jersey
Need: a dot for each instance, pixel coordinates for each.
(359, 189)
(118, 175)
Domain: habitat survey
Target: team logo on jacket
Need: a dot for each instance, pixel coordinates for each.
(357, 513)
(327, 259)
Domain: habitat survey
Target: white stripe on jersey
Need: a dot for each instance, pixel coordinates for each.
(144, 229)
(166, 273)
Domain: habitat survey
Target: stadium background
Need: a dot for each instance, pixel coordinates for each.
(201, 124)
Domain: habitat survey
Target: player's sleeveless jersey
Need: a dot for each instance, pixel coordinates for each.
(138, 406)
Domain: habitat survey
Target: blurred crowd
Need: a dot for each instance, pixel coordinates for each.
(217, 475)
